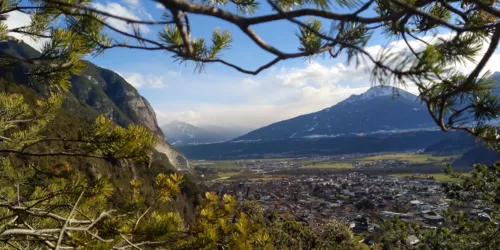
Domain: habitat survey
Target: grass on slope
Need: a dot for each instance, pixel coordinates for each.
(412, 157)
(220, 165)
(437, 177)
(229, 174)
(229, 177)
(269, 177)
(226, 165)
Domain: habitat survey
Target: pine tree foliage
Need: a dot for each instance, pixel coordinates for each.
(22, 129)
(456, 101)
(48, 204)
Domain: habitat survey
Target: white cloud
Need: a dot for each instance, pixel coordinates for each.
(252, 116)
(250, 82)
(133, 3)
(18, 19)
(250, 85)
(160, 6)
(139, 80)
(173, 73)
(119, 10)
(317, 75)
(135, 79)
(269, 98)
(284, 93)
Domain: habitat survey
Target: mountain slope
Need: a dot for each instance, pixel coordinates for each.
(181, 133)
(456, 145)
(378, 109)
(298, 147)
(479, 154)
(97, 91)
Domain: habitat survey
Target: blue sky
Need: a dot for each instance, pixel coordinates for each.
(222, 96)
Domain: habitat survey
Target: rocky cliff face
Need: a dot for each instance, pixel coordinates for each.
(102, 91)
(108, 93)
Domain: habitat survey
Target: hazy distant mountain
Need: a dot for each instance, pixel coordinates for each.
(380, 109)
(181, 133)
(229, 133)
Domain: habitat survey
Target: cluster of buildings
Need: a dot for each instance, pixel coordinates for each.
(362, 200)
(268, 165)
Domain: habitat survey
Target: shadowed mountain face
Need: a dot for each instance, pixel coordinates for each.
(380, 109)
(98, 91)
(298, 147)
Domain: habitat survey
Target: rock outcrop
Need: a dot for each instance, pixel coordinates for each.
(101, 91)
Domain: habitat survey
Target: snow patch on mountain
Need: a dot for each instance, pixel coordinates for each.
(176, 142)
(394, 131)
(311, 129)
(241, 141)
(378, 91)
(321, 136)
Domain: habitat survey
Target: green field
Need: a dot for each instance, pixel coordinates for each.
(330, 166)
(233, 176)
(412, 157)
(437, 177)
(220, 165)
(269, 177)
(229, 174)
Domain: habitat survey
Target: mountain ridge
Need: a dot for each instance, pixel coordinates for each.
(369, 112)
(97, 91)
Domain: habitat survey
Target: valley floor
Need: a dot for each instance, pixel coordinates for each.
(363, 190)
(408, 163)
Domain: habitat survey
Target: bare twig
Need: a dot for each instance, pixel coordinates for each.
(143, 214)
(130, 243)
(61, 233)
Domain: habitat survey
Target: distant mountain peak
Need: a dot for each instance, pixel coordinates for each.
(381, 91)
(378, 91)
(381, 109)
(182, 126)
(182, 133)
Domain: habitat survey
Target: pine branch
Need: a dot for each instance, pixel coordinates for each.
(186, 40)
(85, 8)
(144, 243)
(43, 214)
(130, 243)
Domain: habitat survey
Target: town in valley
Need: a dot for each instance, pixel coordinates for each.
(362, 190)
